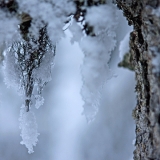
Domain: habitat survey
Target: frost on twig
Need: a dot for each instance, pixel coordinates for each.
(28, 66)
(28, 128)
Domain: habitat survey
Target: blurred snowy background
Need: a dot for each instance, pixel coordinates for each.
(64, 132)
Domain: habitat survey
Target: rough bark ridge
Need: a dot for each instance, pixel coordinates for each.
(145, 49)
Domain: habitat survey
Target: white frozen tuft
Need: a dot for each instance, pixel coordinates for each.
(97, 51)
(28, 128)
(52, 13)
(76, 31)
(102, 18)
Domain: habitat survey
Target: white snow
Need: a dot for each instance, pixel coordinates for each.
(76, 31)
(53, 13)
(97, 50)
(102, 17)
(12, 74)
(28, 128)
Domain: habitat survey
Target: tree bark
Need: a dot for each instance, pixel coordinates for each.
(145, 51)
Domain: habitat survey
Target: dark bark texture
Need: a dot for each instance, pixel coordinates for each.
(144, 49)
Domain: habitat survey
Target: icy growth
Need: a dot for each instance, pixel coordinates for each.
(97, 51)
(12, 73)
(102, 18)
(28, 61)
(39, 101)
(28, 128)
(16, 72)
(42, 74)
(52, 13)
(76, 32)
(124, 46)
(8, 27)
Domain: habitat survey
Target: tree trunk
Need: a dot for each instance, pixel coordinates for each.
(145, 57)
